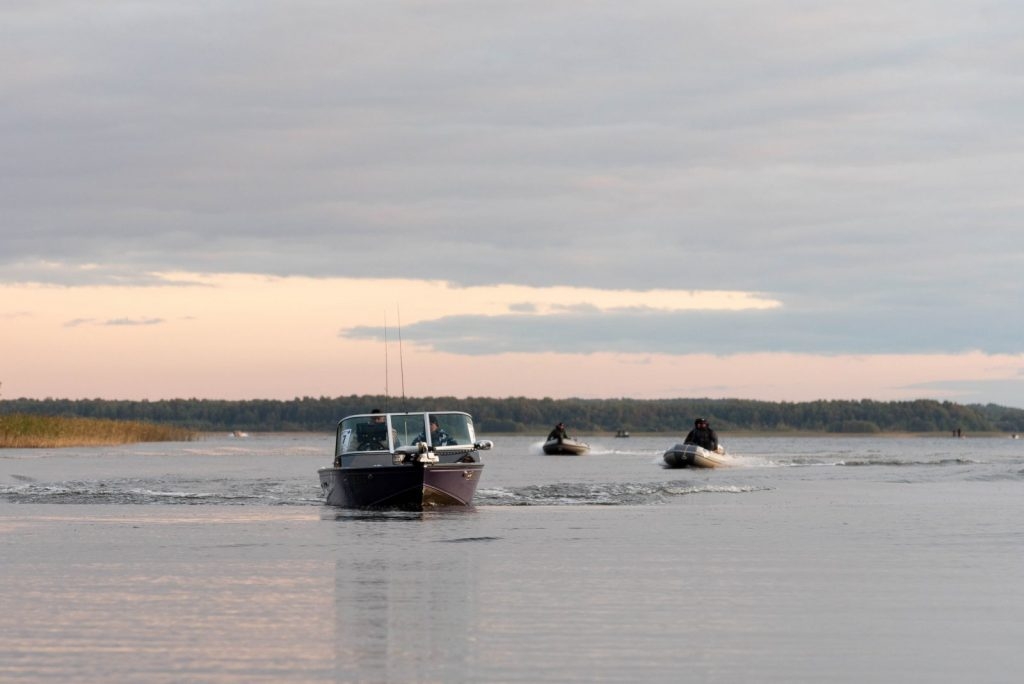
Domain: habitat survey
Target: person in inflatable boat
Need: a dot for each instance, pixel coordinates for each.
(702, 435)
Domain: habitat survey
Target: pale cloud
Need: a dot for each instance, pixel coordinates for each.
(554, 300)
(134, 321)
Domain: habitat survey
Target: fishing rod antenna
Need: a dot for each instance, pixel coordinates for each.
(401, 356)
(387, 391)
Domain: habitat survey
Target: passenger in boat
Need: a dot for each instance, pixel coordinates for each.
(702, 435)
(558, 433)
(438, 437)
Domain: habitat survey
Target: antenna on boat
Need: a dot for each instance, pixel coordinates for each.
(401, 358)
(387, 392)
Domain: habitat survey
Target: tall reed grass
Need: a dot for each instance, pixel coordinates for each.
(24, 431)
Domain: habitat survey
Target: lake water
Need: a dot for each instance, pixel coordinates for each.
(813, 560)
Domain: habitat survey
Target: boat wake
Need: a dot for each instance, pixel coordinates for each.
(899, 463)
(751, 461)
(603, 494)
(136, 492)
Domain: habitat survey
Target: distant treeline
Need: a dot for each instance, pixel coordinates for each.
(519, 414)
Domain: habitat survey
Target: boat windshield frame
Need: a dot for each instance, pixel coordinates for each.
(386, 432)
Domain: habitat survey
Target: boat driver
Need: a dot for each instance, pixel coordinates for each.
(379, 419)
(559, 433)
(702, 435)
(438, 437)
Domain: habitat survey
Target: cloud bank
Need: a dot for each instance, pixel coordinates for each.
(857, 165)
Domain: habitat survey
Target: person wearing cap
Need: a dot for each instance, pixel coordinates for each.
(379, 418)
(558, 433)
(702, 435)
(438, 437)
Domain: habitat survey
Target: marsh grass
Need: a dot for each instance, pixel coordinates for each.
(21, 431)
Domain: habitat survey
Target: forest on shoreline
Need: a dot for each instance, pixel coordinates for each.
(526, 415)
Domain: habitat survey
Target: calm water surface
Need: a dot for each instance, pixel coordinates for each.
(812, 560)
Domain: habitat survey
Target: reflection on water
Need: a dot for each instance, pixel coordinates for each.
(179, 621)
(409, 616)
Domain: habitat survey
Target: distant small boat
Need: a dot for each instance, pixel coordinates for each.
(565, 447)
(693, 456)
(622, 433)
(239, 433)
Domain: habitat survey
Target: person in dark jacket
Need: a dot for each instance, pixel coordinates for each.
(558, 433)
(702, 435)
(438, 437)
(380, 419)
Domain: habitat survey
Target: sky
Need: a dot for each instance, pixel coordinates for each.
(780, 200)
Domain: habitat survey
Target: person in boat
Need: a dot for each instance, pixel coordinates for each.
(702, 435)
(377, 440)
(438, 437)
(558, 433)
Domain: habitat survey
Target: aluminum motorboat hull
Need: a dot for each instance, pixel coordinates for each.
(693, 456)
(409, 486)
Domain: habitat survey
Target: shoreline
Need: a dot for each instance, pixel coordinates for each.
(174, 434)
(19, 431)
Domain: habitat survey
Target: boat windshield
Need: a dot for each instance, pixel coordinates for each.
(390, 431)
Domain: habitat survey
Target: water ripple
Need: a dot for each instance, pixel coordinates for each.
(602, 494)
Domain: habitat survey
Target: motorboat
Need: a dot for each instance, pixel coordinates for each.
(694, 456)
(393, 460)
(565, 446)
(622, 433)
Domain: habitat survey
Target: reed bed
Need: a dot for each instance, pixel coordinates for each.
(20, 431)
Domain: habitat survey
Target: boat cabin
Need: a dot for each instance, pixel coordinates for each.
(384, 438)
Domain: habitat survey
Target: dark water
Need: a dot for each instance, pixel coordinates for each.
(833, 559)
